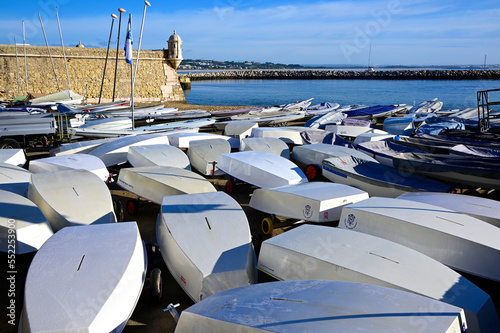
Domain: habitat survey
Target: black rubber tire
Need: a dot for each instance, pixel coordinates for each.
(119, 212)
(156, 286)
(9, 144)
(133, 207)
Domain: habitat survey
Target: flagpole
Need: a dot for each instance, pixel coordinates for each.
(48, 49)
(129, 59)
(113, 16)
(64, 53)
(17, 69)
(25, 62)
(121, 10)
(146, 4)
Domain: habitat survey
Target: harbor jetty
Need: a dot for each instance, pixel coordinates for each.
(418, 74)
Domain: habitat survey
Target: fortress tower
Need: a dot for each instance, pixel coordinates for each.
(174, 57)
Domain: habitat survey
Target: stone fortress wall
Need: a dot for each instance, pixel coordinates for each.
(156, 80)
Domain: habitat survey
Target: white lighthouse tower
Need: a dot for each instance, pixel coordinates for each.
(174, 50)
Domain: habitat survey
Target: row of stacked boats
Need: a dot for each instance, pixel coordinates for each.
(376, 244)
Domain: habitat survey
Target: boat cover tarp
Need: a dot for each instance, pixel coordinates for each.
(385, 148)
(436, 128)
(480, 166)
(370, 111)
(464, 137)
(356, 122)
(475, 135)
(474, 151)
(330, 138)
(381, 175)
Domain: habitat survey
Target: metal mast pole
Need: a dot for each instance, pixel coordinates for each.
(25, 62)
(146, 4)
(113, 16)
(17, 69)
(121, 10)
(64, 53)
(48, 49)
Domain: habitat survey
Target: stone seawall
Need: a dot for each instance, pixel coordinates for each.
(156, 80)
(338, 74)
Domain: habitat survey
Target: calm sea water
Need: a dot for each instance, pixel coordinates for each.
(455, 94)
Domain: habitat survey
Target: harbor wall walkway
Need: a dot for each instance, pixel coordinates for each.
(156, 80)
(347, 74)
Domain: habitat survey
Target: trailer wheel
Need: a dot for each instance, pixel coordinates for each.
(312, 172)
(133, 207)
(155, 286)
(230, 187)
(267, 226)
(118, 208)
(9, 144)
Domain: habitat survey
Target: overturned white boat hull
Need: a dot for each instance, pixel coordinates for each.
(204, 154)
(13, 156)
(484, 209)
(86, 278)
(182, 140)
(454, 239)
(14, 179)
(115, 152)
(314, 201)
(81, 147)
(206, 243)
(289, 134)
(315, 154)
(318, 306)
(71, 198)
(267, 144)
(70, 162)
(154, 183)
(23, 216)
(158, 155)
(261, 169)
(326, 253)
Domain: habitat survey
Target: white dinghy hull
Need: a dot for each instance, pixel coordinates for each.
(319, 306)
(326, 253)
(85, 279)
(13, 156)
(71, 198)
(14, 179)
(204, 154)
(23, 216)
(452, 238)
(70, 162)
(206, 244)
(268, 144)
(154, 183)
(157, 155)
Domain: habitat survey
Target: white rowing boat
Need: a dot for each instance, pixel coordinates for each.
(70, 162)
(206, 244)
(115, 152)
(14, 179)
(85, 279)
(204, 154)
(71, 198)
(319, 306)
(13, 156)
(314, 201)
(326, 253)
(239, 129)
(484, 209)
(261, 169)
(154, 183)
(157, 155)
(81, 147)
(289, 134)
(268, 144)
(25, 218)
(454, 239)
(182, 140)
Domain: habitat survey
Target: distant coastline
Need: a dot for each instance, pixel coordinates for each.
(469, 74)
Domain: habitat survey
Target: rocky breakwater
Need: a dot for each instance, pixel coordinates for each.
(348, 74)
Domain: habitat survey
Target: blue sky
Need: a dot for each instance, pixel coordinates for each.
(400, 32)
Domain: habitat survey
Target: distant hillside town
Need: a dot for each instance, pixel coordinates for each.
(199, 64)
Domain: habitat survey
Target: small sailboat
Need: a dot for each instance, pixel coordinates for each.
(86, 278)
(157, 155)
(319, 306)
(14, 179)
(266, 144)
(70, 162)
(204, 155)
(206, 244)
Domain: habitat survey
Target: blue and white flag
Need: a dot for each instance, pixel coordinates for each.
(129, 42)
